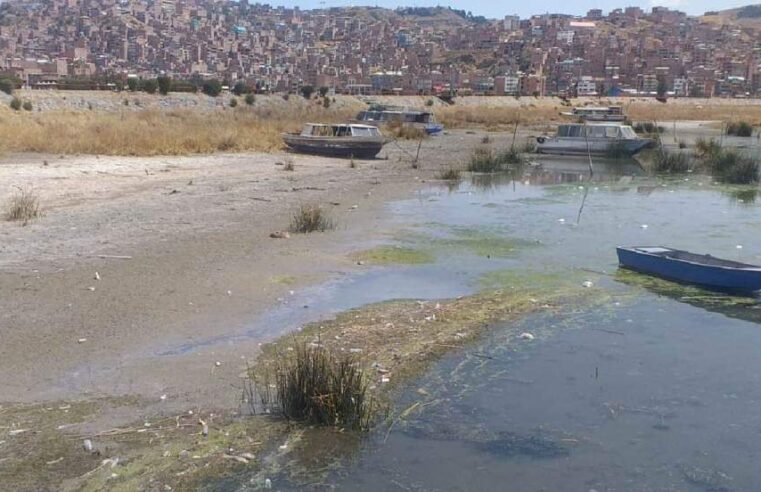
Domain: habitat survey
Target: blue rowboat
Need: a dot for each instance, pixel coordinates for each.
(691, 268)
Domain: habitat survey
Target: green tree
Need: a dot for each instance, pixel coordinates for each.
(662, 87)
(165, 84)
(250, 99)
(27, 105)
(307, 91)
(150, 86)
(212, 87)
(233, 102)
(241, 88)
(133, 83)
(7, 85)
(16, 103)
(324, 91)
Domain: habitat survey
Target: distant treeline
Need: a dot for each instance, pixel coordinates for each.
(432, 11)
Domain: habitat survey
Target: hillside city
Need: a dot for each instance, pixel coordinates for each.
(363, 50)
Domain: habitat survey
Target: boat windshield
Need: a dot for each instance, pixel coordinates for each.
(628, 132)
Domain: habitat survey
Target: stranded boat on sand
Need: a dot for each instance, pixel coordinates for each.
(342, 140)
(686, 267)
(601, 139)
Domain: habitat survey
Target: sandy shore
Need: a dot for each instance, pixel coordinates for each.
(199, 263)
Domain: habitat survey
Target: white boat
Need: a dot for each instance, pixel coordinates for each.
(601, 113)
(600, 139)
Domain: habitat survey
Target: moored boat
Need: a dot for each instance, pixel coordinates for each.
(683, 266)
(601, 139)
(337, 140)
(420, 119)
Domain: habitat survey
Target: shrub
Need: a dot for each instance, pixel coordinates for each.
(233, 102)
(23, 206)
(165, 84)
(450, 174)
(240, 88)
(27, 105)
(288, 165)
(15, 103)
(324, 91)
(429, 102)
(310, 218)
(326, 102)
(740, 129)
(671, 163)
(133, 83)
(250, 99)
(483, 161)
(286, 96)
(7, 85)
(315, 386)
(682, 144)
(307, 91)
(150, 86)
(211, 87)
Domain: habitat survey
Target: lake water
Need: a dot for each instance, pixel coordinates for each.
(657, 388)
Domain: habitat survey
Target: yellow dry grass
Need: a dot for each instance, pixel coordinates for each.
(495, 117)
(156, 132)
(695, 112)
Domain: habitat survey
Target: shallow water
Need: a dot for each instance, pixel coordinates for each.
(658, 389)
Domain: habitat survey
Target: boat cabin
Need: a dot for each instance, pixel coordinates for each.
(600, 113)
(325, 130)
(596, 131)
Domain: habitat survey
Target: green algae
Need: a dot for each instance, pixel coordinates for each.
(395, 255)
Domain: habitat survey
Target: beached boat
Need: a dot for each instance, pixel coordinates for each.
(349, 140)
(601, 139)
(686, 267)
(601, 113)
(383, 115)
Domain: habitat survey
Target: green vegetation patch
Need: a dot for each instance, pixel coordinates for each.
(483, 242)
(395, 255)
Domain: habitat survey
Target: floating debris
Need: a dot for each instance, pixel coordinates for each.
(526, 336)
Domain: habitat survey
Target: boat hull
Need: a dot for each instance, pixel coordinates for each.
(734, 279)
(358, 147)
(595, 146)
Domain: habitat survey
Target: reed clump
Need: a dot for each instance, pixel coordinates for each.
(24, 205)
(314, 385)
(451, 174)
(739, 129)
(311, 218)
(666, 162)
(731, 166)
(707, 148)
(486, 160)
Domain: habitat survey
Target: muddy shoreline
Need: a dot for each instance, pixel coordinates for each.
(182, 251)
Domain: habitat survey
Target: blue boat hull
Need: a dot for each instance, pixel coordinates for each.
(434, 129)
(709, 276)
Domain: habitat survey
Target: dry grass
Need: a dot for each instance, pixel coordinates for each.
(696, 112)
(397, 129)
(495, 117)
(24, 206)
(155, 132)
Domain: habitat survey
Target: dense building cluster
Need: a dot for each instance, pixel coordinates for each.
(48, 43)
